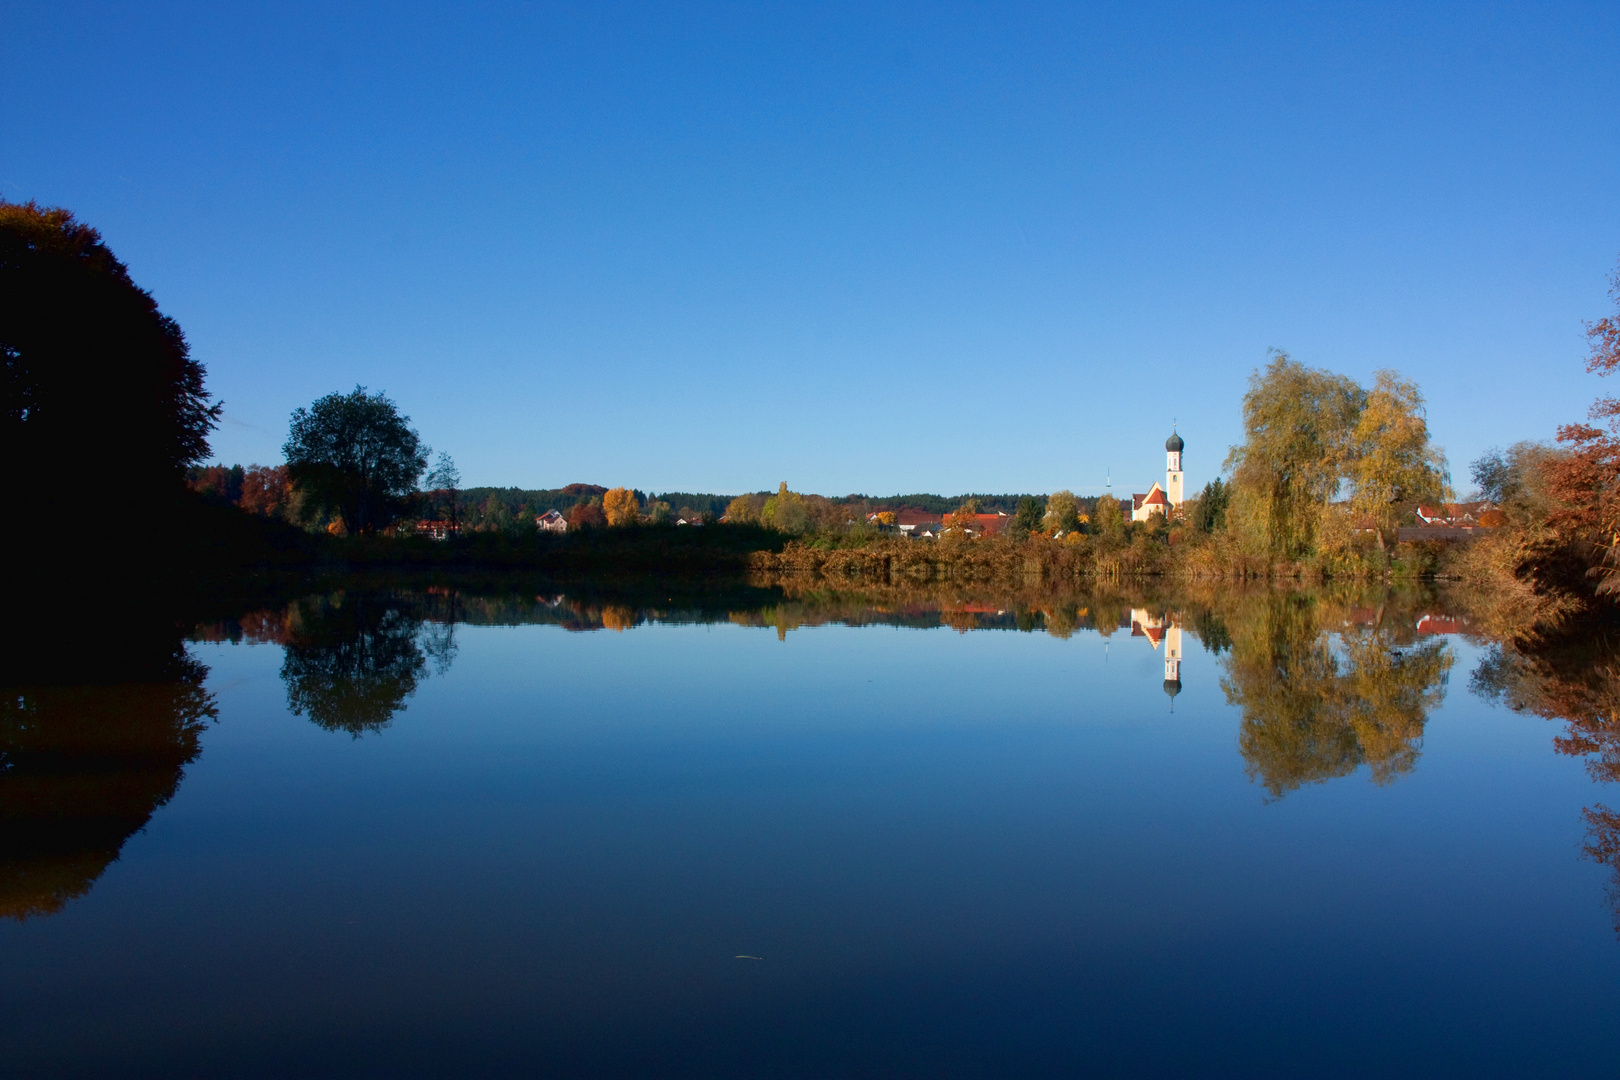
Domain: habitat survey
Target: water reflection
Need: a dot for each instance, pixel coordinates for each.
(1575, 679)
(90, 748)
(83, 767)
(1325, 690)
(352, 660)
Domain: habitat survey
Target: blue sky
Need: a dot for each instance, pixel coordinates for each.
(857, 247)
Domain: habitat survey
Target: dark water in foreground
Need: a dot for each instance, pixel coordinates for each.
(443, 834)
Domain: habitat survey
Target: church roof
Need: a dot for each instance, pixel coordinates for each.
(1174, 443)
(1156, 498)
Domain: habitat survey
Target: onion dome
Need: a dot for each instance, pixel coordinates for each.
(1174, 443)
(1172, 687)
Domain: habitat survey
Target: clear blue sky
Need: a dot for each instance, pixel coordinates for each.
(857, 247)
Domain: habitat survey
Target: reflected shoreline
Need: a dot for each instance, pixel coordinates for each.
(1326, 681)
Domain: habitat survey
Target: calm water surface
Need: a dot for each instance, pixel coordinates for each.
(441, 834)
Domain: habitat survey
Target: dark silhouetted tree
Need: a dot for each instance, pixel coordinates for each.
(355, 455)
(93, 372)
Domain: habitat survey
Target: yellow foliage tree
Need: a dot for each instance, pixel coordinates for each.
(620, 507)
(743, 509)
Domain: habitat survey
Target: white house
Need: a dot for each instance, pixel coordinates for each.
(551, 521)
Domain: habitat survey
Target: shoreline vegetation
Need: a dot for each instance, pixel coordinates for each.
(1327, 476)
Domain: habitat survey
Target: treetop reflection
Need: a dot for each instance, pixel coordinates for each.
(1315, 709)
(84, 765)
(351, 661)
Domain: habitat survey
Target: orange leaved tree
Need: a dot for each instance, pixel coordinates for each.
(1586, 483)
(620, 506)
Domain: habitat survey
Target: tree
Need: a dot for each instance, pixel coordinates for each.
(355, 455)
(1298, 428)
(619, 504)
(785, 511)
(445, 477)
(265, 490)
(1208, 511)
(1027, 516)
(965, 519)
(1062, 512)
(1517, 480)
(1393, 459)
(1108, 519)
(743, 509)
(93, 372)
(586, 515)
(217, 483)
(1586, 481)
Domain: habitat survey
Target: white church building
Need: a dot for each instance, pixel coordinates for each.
(1163, 498)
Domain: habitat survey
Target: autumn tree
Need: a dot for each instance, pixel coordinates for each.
(621, 507)
(1299, 425)
(93, 371)
(785, 511)
(586, 515)
(1392, 459)
(1062, 512)
(1108, 518)
(217, 483)
(1586, 481)
(744, 509)
(965, 520)
(265, 490)
(355, 455)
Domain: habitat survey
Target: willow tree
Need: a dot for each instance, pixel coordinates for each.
(1299, 425)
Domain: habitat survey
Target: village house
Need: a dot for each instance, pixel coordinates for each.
(988, 524)
(1459, 515)
(551, 521)
(918, 524)
(437, 530)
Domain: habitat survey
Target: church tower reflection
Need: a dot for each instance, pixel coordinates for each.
(1163, 630)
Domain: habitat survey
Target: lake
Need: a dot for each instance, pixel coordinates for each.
(805, 833)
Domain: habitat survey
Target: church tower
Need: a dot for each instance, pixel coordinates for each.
(1172, 469)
